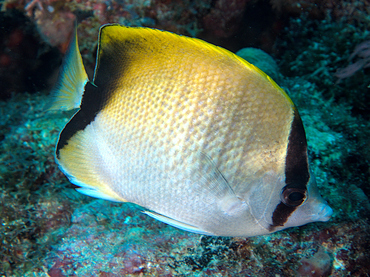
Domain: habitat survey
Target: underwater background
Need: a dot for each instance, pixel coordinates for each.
(318, 51)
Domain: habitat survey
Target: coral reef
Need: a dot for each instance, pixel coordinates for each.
(362, 52)
(54, 20)
(25, 61)
(48, 229)
(224, 18)
(336, 9)
(319, 265)
(322, 56)
(32, 218)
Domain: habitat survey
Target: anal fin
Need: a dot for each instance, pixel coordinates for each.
(177, 224)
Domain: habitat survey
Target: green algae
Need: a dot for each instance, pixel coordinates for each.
(32, 218)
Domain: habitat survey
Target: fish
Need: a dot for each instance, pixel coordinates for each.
(198, 137)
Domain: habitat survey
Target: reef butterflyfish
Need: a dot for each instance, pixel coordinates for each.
(197, 136)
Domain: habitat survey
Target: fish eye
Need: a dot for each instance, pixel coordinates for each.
(293, 197)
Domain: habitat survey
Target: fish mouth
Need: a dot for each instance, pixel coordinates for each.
(324, 212)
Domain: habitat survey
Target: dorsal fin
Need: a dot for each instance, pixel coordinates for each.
(121, 48)
(68, 90)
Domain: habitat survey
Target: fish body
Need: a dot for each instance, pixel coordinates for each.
(200, 138)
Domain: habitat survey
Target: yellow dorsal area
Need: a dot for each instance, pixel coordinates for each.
(140, 42)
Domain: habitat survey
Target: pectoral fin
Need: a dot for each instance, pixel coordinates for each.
(208, 177)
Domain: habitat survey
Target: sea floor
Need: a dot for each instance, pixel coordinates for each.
(48, 229)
